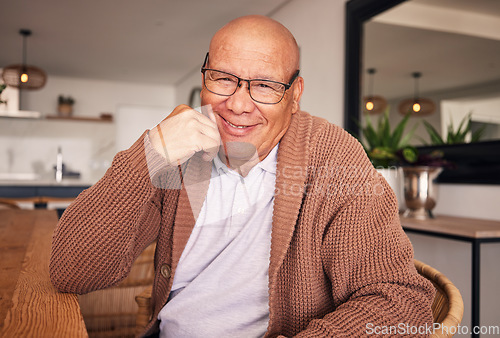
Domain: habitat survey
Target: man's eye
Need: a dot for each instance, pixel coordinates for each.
(224, 79)
(264, 85)
(267, 86)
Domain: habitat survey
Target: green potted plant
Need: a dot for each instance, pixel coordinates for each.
(65, 105)
(454, 136)
(420, 170)
(381, 143)
(2, 87)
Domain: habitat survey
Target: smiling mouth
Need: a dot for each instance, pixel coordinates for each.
(233, 125)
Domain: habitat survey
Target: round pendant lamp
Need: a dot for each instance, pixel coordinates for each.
(417, 106)
(24, 76)
(373, 104)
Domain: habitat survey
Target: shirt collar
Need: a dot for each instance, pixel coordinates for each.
(267, 164)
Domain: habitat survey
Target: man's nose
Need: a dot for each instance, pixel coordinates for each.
(241, 102)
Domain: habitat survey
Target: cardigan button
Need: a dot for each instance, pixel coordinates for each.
(165, 270)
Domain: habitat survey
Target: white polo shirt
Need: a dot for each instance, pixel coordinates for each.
(220, 288)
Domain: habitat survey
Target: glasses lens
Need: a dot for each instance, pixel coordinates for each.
(266, 91)
(220, 83)
(263, 91)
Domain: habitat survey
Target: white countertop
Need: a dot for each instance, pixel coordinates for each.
(30, 179)
(66, 182)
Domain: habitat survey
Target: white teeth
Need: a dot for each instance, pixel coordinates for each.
(232, 125)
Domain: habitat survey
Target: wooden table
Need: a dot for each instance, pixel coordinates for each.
(474, 231)
(29, 305)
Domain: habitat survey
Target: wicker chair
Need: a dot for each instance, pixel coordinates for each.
(144, 312)
(447, 307)
(112, 312)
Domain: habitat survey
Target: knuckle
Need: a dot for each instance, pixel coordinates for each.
(191, 124)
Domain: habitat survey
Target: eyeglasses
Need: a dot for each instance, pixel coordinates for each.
(260, 90)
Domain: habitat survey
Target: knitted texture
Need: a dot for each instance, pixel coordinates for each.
(340, 261)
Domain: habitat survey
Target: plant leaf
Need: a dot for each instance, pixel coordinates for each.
(461, 134)
(424, 142)
(406, 139)
(370, 136)
(385, 131)
(410, 154)
(398, 132)
(436, 139)
(476, 136)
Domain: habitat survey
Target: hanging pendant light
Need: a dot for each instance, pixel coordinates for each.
(417, 106)
(373, 104)
(24, 76)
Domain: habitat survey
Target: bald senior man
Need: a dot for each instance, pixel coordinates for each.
(268, 221)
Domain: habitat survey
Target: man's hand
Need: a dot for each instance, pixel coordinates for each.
(185, 132)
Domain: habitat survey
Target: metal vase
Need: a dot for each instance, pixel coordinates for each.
(420, 191)
(394, 177)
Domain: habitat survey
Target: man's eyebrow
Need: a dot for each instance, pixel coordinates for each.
(265, 77)
(258, 77)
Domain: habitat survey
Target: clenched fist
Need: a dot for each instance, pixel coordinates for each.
(185, 132)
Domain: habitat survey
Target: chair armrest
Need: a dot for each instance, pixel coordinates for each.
(145, 311)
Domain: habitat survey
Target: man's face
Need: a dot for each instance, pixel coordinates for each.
(238, 117)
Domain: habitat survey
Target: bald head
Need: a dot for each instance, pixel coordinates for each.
(259, 34)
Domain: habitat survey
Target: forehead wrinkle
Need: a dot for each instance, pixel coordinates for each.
(263, 69)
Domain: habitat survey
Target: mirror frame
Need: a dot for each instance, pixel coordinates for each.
(356, 14)
(476, 163)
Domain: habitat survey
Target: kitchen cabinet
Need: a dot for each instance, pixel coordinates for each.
(40, 193)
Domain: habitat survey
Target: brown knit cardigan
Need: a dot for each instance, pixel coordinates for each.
(340, 261)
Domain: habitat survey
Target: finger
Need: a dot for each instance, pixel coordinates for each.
(189, 118)
(206, 120)
(210, 152)
(208, 145)
(178, 110)
(213, 130)
(210, 132)
(208, 112)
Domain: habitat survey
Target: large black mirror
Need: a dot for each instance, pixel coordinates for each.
(477, 163)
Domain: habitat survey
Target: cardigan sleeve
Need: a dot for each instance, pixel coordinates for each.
(369, 261)
(107, 226)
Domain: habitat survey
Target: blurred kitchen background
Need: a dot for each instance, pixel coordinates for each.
(127, 64)
(128, 60)
(135, 61)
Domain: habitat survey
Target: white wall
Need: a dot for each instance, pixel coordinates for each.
(88, 147)
(183, 89)
(95, 96)
(469, 200)
(318, 26)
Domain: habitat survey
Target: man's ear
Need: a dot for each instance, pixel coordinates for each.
(298, 89)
